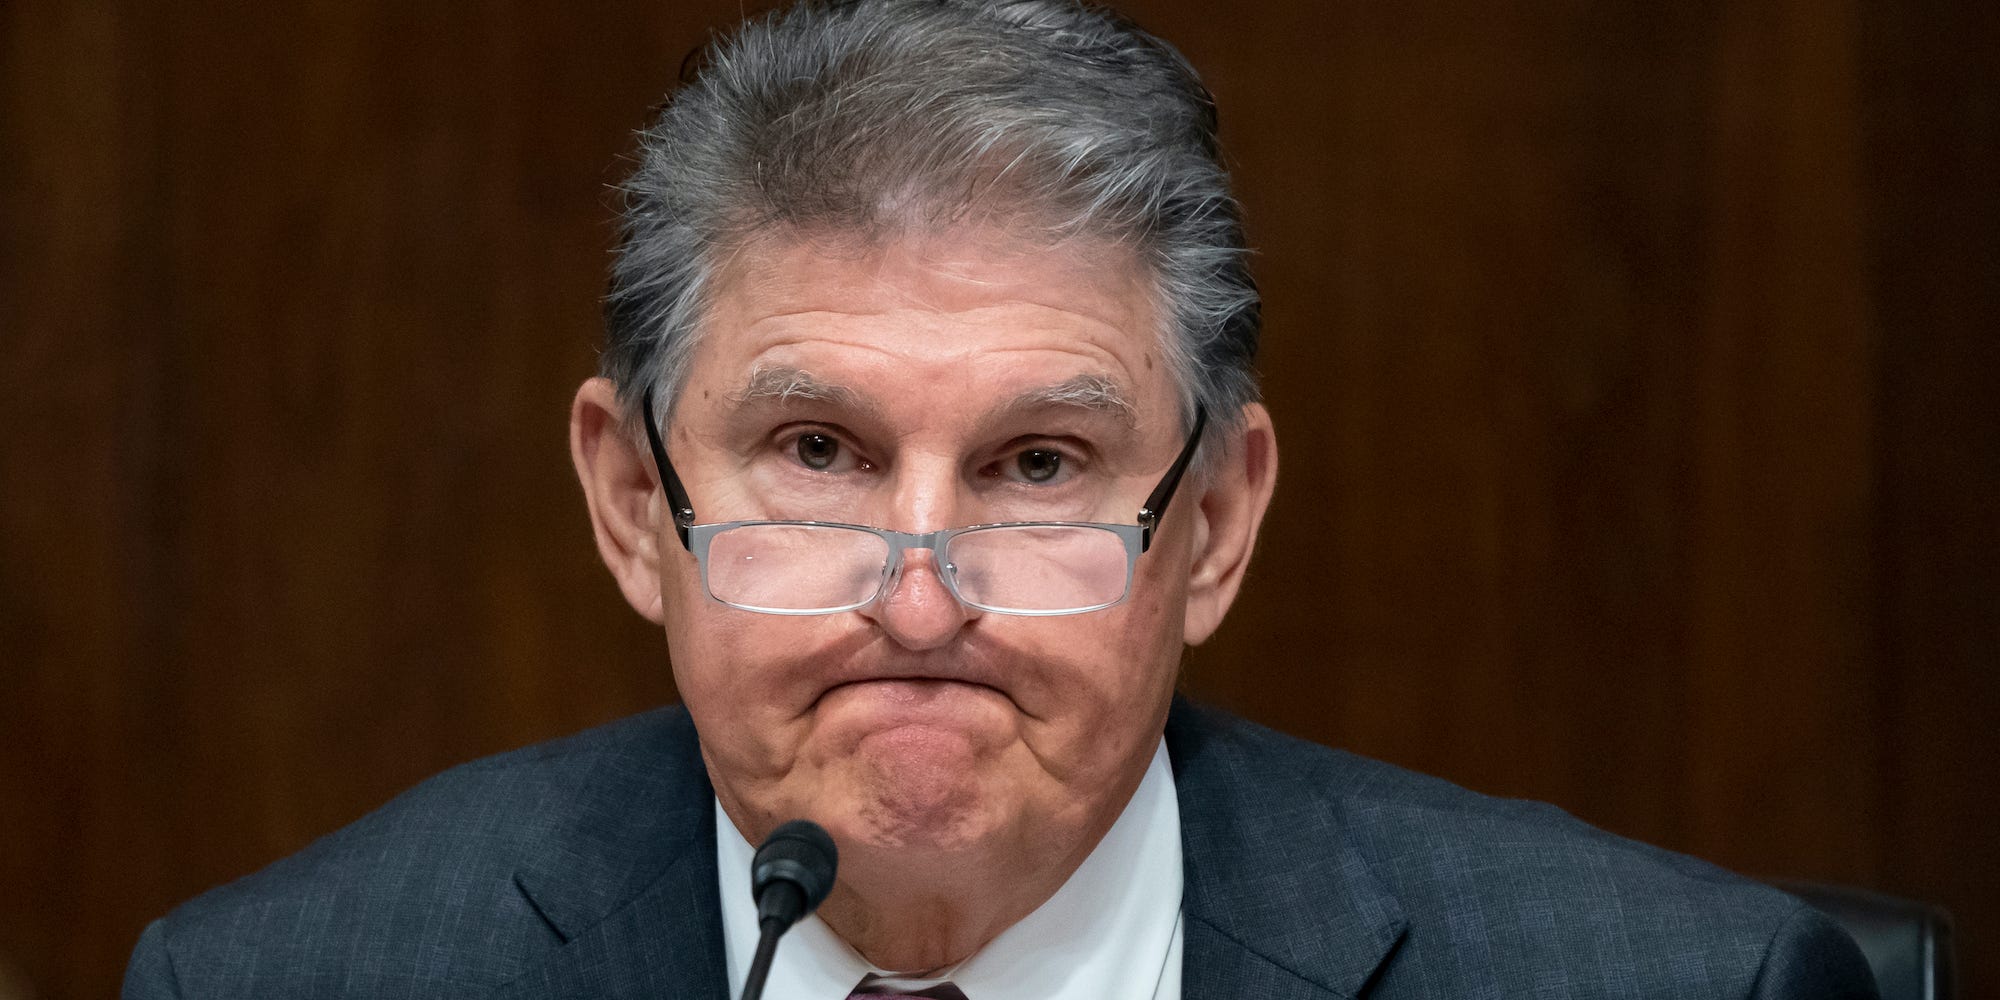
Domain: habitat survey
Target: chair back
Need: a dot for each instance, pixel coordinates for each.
(1907, 943)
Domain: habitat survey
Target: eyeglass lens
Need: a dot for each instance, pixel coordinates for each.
(1026, 568)
(1039, 567)
(796, 567)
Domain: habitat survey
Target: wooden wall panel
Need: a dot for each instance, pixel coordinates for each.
(1783, 585)
(59, 745)
(1933, 149)
(1632, 366)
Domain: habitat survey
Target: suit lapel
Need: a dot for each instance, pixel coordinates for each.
(1278, 901)
(628, 881)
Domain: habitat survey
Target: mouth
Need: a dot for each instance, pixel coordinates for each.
(911, 679)
(880, 687)
(910, 688)
(913, 676)
(914, 700)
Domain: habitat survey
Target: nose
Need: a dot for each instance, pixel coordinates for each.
(919, 611)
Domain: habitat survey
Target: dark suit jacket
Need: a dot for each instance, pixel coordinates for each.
(586, 868)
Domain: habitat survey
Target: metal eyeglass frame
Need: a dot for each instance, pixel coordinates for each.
(1137, 537)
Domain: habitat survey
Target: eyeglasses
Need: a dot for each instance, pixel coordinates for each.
(821, 567)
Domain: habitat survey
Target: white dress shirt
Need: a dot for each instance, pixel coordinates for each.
(1112, 932)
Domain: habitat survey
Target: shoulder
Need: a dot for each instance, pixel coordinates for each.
(1504, 893)
(1415, 830)
(424, 887)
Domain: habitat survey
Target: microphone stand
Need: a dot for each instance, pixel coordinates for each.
(790, 876)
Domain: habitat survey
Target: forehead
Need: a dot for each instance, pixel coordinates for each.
(967, 311)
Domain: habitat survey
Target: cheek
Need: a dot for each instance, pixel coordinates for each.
(1097, 690)
(715, 654)
(1160, 581)
(1137, 654)
(750, 680)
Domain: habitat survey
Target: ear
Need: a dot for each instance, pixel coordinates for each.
(1236, 493)
(618, 487)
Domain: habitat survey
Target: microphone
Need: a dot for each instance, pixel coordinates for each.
(789, 877)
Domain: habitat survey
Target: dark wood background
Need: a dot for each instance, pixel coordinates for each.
(1633, 364)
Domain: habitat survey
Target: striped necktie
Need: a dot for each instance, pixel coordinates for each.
(878, 988)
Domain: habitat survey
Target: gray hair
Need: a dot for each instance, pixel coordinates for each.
(860, 120)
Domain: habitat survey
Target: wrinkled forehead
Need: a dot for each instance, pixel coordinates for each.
(943, 269)
(1075, 318)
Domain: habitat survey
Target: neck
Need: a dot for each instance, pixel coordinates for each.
(918, 917)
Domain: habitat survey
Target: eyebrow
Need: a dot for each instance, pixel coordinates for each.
(1089, 392)
(787, 385)
(1095, 393)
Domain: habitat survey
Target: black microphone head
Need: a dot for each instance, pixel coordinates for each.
(800, 854)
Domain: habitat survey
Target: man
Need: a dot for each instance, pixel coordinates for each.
(928, 434)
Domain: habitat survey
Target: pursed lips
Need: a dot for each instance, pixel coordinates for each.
(963, 665)
(915, 681)
(912, 694)
(887, 676)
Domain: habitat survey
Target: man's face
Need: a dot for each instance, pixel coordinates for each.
(929, 385)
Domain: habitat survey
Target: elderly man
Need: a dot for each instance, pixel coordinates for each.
(929, 435)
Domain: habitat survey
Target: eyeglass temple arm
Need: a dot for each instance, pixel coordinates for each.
(678, 503)
(1156, 505)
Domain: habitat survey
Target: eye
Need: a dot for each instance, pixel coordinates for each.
(1041, 461)
(1038, 465)
(818, 451)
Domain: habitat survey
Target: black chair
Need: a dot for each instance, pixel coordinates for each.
(1907, 943)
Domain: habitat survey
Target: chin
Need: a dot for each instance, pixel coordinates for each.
(912, 792)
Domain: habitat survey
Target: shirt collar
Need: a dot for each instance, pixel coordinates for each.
(1112, 932)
